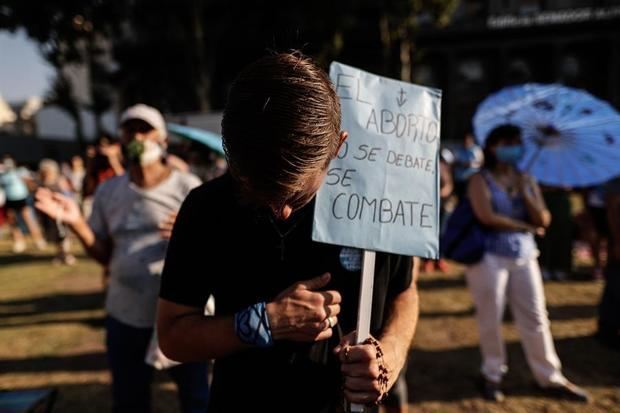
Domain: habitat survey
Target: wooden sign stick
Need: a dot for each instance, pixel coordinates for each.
(364, 311)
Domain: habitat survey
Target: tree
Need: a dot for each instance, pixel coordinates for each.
(61, 95)
(68, 33)
(182, 55)
(400, 20)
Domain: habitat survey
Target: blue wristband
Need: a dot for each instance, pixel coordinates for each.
(252, 326)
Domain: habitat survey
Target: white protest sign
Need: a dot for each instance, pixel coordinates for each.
(382, 191)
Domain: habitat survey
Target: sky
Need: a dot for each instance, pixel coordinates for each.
(23, 72)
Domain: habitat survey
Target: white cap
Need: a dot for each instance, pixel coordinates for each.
(147, 114)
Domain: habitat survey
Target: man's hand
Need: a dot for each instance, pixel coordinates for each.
(360, 370)
(57, 206)
(300, 313)
(165, 227)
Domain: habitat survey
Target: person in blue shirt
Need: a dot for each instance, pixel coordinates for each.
(510, 205)
(17, 193)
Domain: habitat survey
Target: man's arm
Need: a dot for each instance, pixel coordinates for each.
(360, 366)
(299, 313)
(400, 326)
(185, 334)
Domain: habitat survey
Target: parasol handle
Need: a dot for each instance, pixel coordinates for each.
(530, 163)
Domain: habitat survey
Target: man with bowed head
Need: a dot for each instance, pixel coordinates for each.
(128, 231)
(284, 302)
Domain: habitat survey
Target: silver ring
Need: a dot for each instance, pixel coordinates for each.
(330, 323)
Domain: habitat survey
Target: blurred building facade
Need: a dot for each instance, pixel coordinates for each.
(31, 130)
(184, 65)
(495, 43)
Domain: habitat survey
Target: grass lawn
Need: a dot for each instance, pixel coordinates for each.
(51, 330)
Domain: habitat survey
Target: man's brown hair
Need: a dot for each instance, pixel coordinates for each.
(280, 127)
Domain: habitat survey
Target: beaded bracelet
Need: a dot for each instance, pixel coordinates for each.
(252, 326)
(383, 370)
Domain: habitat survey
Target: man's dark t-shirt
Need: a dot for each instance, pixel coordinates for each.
(237, 254)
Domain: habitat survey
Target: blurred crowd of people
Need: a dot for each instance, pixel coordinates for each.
(569, 234)
(120, 200)
(18, 184)
(78, 178)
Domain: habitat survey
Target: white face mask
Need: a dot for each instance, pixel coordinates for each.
(153, 152)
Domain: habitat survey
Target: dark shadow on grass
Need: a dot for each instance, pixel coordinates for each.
(93, 322)
(30, 258)
(52, 303)
(571, 312)
(97, 398)
(25, 258)
(81, 362)
(581, 273)
(558, 312)
(451, 375)
(434, 283)
(439, 314)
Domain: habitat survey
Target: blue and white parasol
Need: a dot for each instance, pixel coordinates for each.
(571, 138)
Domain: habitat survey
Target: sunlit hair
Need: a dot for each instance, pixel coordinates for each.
(280, 127)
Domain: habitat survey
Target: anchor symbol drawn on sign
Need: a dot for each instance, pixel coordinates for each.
(401, 99)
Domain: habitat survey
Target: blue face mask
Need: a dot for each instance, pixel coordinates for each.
(510, 154)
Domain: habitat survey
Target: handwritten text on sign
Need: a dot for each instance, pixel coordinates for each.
(382, 191)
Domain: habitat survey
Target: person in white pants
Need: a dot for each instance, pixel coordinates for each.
(496, 280)
(510, 205)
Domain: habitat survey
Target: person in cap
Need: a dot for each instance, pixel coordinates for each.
(15, 189)
(128, 231)
(286, 306)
